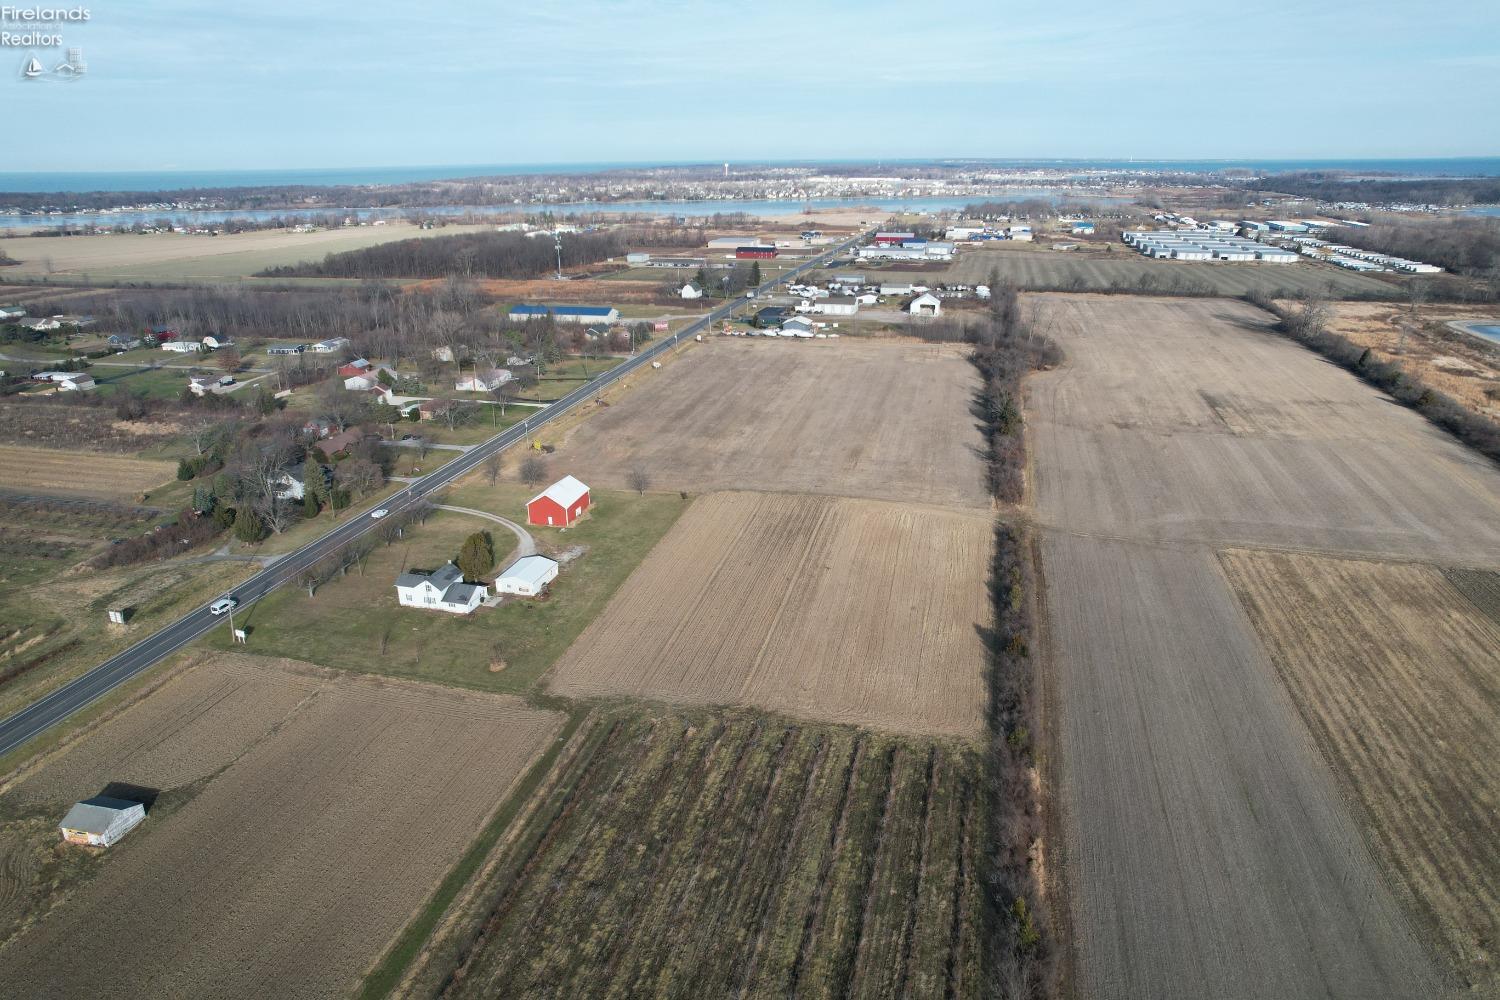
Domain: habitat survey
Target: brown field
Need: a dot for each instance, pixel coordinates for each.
(104, 477)
(833, 609)
(1459, 364)
(94, 429)
(318, 813)
(886, 421)
(1207, 847)
(1398, 677)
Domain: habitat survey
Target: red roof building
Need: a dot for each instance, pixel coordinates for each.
(755, 253)
(559, 505)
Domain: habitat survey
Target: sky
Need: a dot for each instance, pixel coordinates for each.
(184, 84)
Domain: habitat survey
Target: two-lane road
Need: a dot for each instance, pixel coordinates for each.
(99, 681)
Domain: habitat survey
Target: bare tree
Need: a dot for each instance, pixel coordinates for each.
(638, 479)
(492, 466)
(228, 359)
(533, 470)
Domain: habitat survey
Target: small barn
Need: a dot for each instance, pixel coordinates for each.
(926, 304)
(559, 505)
(101, 821)
(527, 576)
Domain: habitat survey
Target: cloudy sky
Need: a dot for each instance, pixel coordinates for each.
(191, 85)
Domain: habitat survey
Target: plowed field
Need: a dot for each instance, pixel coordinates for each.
(835, 609)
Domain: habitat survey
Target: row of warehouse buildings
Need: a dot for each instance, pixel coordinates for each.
(1354, 259)
(1181, 244)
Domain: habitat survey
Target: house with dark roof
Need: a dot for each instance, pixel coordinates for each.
(440, 590)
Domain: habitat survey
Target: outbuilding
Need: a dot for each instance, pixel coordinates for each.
(836, 305)
(101, 821)
(690, 291)
(926, 304)
(565, 313)
(527, 576)
(560, 504)
(758, 251)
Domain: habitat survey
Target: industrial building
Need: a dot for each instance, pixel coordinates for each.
(755, 251)
(836, 305)
(1169, 244)
(893, 239)
(565, 314)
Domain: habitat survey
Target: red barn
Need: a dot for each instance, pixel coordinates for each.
(359, 366)
(758, 252)
(893, 239)
(559, 504)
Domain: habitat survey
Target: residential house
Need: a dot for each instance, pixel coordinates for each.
(40, 324)
(337, 444)
(485, 380)
(439, 590)
(123, 342)
(431, 409)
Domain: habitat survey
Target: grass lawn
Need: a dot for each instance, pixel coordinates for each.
(157, 383)
(487, 426)
(354, 622)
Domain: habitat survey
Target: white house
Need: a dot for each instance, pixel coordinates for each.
(440, 590)
(200, 386)
(527, 576)
(101, 821)
(332, 346)
(690, 291)
(925, 304)
(483, 381)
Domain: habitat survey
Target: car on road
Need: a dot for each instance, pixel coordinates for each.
(408, 437)
(378, 514)
(223, 605)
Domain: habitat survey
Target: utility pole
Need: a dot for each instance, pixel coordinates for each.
(557, 243)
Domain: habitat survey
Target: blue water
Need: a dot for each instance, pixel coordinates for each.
(690, 209)
(1487, 332)
(168, 180)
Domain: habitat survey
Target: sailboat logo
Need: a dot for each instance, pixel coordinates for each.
(32, 69)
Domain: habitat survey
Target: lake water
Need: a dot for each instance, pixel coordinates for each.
(689, 209)
(1487, 331)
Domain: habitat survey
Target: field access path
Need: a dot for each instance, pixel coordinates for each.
(1208, 850)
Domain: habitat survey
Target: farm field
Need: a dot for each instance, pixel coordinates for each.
(354, 622)
(854, 873)
(179, 257)
(47, 424)
(295, 832)
(1042, 269)
(104, 477)
(875, 420)
(1207, 847)
(1397, 675)
(840, 610)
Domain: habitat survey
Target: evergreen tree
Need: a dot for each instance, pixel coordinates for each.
(313, 488)
(755, 274)
(248, 527)
(476, 556)
(203, 499)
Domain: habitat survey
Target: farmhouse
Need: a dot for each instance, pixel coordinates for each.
(755, 251)
(101, 821)
(559, 504)
(527, 576)
(565, 314)
(483, 381)
(925, 304)
(440, 590)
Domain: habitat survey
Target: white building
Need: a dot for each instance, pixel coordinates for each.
(527, 576)
(183, 347)
(797, 327)
(332, 346)
(836, 305)
(440, 590)
(483, 381)
(637, 258)
(690, 291)
(925, 304)
(212, 343)
(101, 821)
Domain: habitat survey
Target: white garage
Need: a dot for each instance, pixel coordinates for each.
(527, 576)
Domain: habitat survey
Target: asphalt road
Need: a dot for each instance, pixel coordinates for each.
(84, 690)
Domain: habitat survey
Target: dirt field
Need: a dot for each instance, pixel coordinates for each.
(1459, 364)
(175, 256)
(853, 873)
(1208, 850)
(887, 421)
(312, 832)
(1398, 677)
(71, 473)
(840, 610)
(1040, 268)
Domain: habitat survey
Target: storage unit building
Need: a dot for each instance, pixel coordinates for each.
(527, 576)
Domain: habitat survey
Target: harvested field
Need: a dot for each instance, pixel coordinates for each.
(1398, 677)
(1207, 848)
(42, 424)
(176, 256)
(107, 477)
(851, 869)
(292, 865)
(1040, 269)
(887, 421)
(834, 609)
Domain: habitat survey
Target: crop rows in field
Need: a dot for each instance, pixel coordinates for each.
(1396, 675)
(709, 855)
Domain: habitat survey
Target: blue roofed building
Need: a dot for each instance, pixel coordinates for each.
(565, 314)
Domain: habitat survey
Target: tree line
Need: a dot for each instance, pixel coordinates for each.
(470, 255)
(1333, 187)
